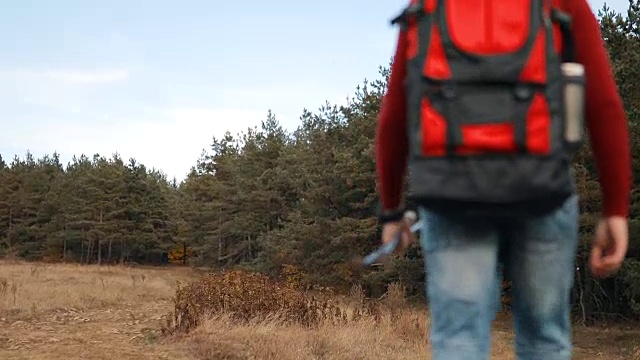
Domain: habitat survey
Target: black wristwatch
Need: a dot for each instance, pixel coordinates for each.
(385, 216)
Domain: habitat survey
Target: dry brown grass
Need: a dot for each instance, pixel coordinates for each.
(86, 312)
(245, 297)
(33, 288)
(67, 311)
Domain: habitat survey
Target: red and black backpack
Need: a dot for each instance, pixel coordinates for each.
(485, 105)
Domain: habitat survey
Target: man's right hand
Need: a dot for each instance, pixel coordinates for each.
(391, 229)
(609, 246)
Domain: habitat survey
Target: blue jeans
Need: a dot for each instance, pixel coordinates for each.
(463, 285)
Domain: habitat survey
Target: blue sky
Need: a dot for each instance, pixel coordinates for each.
(155, 80)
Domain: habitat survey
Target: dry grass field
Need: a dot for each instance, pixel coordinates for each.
(87, 312)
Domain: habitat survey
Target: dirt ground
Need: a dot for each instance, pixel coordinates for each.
(88, 312)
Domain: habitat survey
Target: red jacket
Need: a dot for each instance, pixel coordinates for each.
(605, 119)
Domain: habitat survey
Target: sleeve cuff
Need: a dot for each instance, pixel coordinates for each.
(390, 215)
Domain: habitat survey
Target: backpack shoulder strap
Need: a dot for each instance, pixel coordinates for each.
(415, 9)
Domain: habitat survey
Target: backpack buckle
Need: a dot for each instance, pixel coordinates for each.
(523, 92)
(444, 89)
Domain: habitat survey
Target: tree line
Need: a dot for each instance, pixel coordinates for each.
(267, 198)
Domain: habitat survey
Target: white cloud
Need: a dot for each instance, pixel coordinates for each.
(105, 76)
(174, 145)
(166, 133)
(30, 79)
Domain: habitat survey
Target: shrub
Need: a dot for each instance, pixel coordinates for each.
(245, 296)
